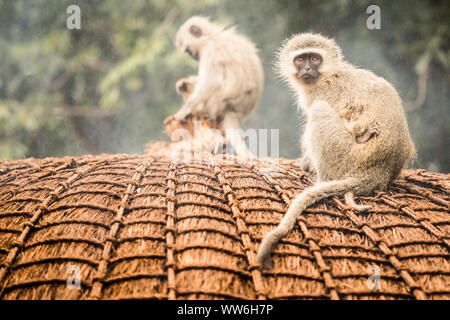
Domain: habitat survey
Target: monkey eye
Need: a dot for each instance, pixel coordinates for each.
(316, 59)
(299, 59)
(195, 31)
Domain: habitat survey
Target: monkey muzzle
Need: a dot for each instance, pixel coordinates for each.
(308, 77)
(194, 55)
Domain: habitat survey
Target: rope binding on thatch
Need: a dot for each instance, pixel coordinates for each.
(147, 227)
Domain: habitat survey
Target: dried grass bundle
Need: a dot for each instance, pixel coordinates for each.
(146, 227)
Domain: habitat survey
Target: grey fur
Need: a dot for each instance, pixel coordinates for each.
(342, 105)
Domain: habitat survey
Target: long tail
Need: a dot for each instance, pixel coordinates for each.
(299, 204)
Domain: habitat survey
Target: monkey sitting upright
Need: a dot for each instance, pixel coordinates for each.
(356, 138)
(230, 77)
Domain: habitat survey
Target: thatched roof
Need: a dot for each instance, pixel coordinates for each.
(145, 227)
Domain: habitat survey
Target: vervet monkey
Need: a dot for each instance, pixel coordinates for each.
(342, 103)
(230, 77)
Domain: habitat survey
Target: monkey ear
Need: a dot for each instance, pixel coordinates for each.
(195, 31)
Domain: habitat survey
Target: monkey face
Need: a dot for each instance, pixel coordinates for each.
(194, 54)
(192, 34)
(185, 86)
(291, 68)
(182, 86)
(188, 44)
(307, 65)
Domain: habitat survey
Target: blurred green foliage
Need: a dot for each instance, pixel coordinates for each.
(108, 87)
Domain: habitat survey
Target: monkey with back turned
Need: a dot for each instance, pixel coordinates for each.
(230, 77)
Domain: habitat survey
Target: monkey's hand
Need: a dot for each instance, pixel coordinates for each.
(361, 132)
(183, 113)
(187, 109)
(372, 131)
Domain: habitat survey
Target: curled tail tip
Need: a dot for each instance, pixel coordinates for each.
(267, 265)
(264, 260)
(263, 255)
(265, 249)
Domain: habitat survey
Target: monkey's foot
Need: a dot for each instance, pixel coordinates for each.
(350, 201)
(306, 166)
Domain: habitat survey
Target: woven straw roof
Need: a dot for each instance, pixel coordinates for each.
(146, 227)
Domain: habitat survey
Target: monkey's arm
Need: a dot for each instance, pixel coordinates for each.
(208, 85)
(195, 103)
